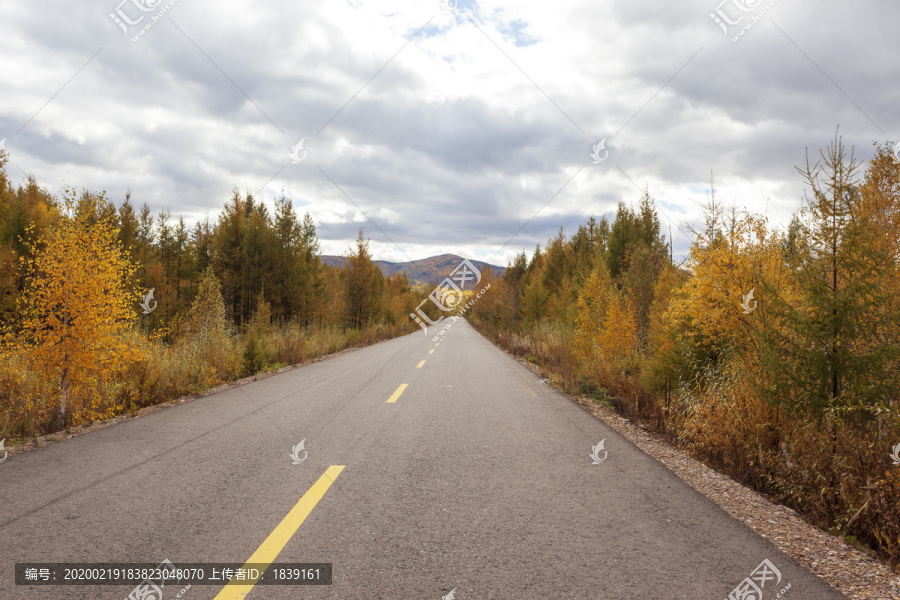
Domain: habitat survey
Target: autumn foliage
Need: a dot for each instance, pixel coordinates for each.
(83, 340)
(77, 306)
(793, 389)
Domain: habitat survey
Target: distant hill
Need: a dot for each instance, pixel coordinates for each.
(427, 271)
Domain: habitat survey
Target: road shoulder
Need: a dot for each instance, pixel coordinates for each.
(851, 572)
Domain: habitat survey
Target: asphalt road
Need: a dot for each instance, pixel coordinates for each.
(475, 480)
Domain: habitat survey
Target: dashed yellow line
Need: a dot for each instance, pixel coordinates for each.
(396, 394)
(431, 351)
(419, 366)
(270, 548)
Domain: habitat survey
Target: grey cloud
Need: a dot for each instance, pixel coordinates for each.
(468, 169)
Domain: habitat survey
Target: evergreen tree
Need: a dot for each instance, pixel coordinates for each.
(201, 245)
(128, 226)
(311, 278)
(622, 234)
(288, 267)
(364, 283)
(825, 354)
(227, 244)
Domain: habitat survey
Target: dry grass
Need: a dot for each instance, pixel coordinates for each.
(191, 364)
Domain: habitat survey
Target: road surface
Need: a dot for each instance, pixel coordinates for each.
(474, 482)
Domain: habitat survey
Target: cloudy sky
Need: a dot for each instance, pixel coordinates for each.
(465, 127)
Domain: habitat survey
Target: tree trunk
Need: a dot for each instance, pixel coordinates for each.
(63, 393)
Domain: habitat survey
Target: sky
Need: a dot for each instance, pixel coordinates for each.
(478, 128)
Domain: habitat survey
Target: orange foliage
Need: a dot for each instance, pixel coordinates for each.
(77, 307)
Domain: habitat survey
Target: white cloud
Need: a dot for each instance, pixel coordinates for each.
(454, 144)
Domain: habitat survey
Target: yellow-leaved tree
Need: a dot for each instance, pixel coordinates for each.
(212, 350)
(78, 304)
(593, 301)
(618, 339)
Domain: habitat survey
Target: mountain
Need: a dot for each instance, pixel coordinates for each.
(427, 271)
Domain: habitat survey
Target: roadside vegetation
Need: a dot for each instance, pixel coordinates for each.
(792, 389)
(84, 340)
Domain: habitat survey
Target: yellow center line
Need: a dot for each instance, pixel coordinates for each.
(431, 351)
(397, 393)
(438, 344)
(419, 366)
(270, 548)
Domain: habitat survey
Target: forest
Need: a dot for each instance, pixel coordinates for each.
(106, 309)
(770, 353)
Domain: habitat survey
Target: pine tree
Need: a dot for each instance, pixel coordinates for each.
(127, 223)
(287, 279)
(311, 278)
(201, 246)
(227, 245)
(535, 296)
(593, 302)
(258, 256)
(181, 265)
(826, 355)
(364, 283)
(622, 234)
(206, 318)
